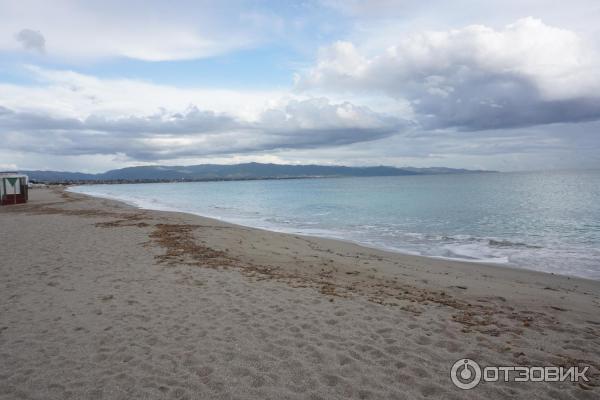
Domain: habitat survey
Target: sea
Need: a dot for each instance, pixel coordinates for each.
(545, 221)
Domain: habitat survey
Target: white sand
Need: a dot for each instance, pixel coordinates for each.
(100, 300)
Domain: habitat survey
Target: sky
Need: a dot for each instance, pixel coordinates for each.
(506, 85)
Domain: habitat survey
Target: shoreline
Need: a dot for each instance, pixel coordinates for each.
(99, 297)
(477, 264)
(503, 264)
(309, 235)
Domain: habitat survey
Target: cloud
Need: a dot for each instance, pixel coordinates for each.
(68, 113)
(474, 78)
(309, 123)
(559, 146)
(149, 31)
(8, 167)
(71, 94)
(31, 40)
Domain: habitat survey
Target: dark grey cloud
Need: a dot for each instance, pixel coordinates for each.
(496, 101)
(192, 121)
(298, 125)
(475, 78)
(557, 146)
(31, 40)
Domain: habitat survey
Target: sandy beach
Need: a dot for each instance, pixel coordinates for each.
(100, 300)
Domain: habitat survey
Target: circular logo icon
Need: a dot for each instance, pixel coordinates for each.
(465, 374)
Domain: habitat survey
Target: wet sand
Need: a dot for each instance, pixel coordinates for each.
(102, 300)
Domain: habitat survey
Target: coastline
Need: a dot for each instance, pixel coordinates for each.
(467, 266)
(274, 229)
(329, 318)
(308, 235)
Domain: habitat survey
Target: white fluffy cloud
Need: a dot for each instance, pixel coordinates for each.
(476, 77)
(71, 94)
(73, 114)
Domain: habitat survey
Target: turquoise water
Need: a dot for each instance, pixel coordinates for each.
(542, 221)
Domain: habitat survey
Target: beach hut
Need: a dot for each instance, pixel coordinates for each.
(13, 188)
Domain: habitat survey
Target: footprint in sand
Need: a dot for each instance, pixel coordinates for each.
(423, 340)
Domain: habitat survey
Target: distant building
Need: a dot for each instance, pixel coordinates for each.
(13, 188)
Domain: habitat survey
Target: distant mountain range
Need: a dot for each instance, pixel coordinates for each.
(204, 172)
